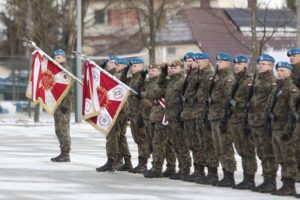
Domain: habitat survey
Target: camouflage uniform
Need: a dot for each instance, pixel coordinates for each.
(134, 114)
(222, 141)
(62, 124)
(162, 141)
(285, 150)
(263, 144)
(203, 132)
(296, 81)
(190, 134)
(244, 144)
(173, 92)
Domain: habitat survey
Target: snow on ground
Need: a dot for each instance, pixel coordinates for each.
(26, 171)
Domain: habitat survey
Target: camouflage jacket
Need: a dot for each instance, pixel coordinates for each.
(202, 92)
(147, 103)
(153, 95)
(220, 93)
(262, 89)
(172, 93)
(285, 103)
(296, 75)
(240, 97)
(136, 82)
(192, 79)
(123, 114)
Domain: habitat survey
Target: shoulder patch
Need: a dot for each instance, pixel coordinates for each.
(274, 84)
(250, 84)
(229, 80)
(294, 90)
(211, 78)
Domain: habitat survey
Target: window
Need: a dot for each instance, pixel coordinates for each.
(100, 16)
(171, 51)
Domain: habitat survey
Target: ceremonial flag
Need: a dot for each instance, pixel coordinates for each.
(103, 97)
(47, 83)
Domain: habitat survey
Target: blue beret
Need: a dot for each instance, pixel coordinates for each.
(112, 57)
(122, 61)
(224, 56)
(284, 65)
(188, 55)
(59, 52)
(265, 57)
(293, 51)
(199, 56)
(241, 59)
(136, 61)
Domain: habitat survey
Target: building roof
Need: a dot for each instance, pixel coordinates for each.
(214, 30)
(176, 30)
(268, 18)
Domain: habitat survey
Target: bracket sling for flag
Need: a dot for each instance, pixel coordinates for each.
(33, 45)
(85, 58)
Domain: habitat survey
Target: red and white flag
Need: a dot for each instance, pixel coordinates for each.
(47, 83)
(103, 97)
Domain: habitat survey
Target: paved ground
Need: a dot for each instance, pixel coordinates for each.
(27, 173)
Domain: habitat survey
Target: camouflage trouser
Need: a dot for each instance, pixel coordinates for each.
(206, 141)
(297, 137)
(112, 138)
(162, 143)
(193, 142)
(181, 150)
(140, 138)
(244, 145)
(264, 150)
(149, 133)
(223, 143)
(123, 144)
(62, 130)
(285, 153)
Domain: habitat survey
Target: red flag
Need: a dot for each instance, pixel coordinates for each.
(103, 97)
(47, 83)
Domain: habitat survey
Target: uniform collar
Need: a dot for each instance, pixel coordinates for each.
(224, 72)
(265, 75)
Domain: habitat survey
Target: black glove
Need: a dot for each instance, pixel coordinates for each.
(63, 109)
(144, 74)
(126, 69)
(164, 70)
(140, 122)
(178, 100)
(247, 131)
(285, 137)
(139, 96)
(103, 65)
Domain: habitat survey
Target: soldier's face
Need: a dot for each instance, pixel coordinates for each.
(154, 72)
(222, 64)
(110, 64)
(60, 59)
(295, 58)
(189, 63)
(283, 73)
(239, 67)
(264, 66)
(203, 63)
(137, 68)
(175, 69)
(120, 67)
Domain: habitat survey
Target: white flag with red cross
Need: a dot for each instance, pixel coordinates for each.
(47, 83)
(103, 97)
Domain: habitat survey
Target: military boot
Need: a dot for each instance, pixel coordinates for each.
(227, 181)
(141, 167)
(126, 166)
(287, 189)
(211, 178)
(268, 186)
(247, 183)
(118, 161)
(107, 167)
(179, 175)
(63, 157)
(153, 173)
(199, 172)
(169, 171)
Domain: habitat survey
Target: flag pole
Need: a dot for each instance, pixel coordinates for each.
(32, 44)
(85, 58)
